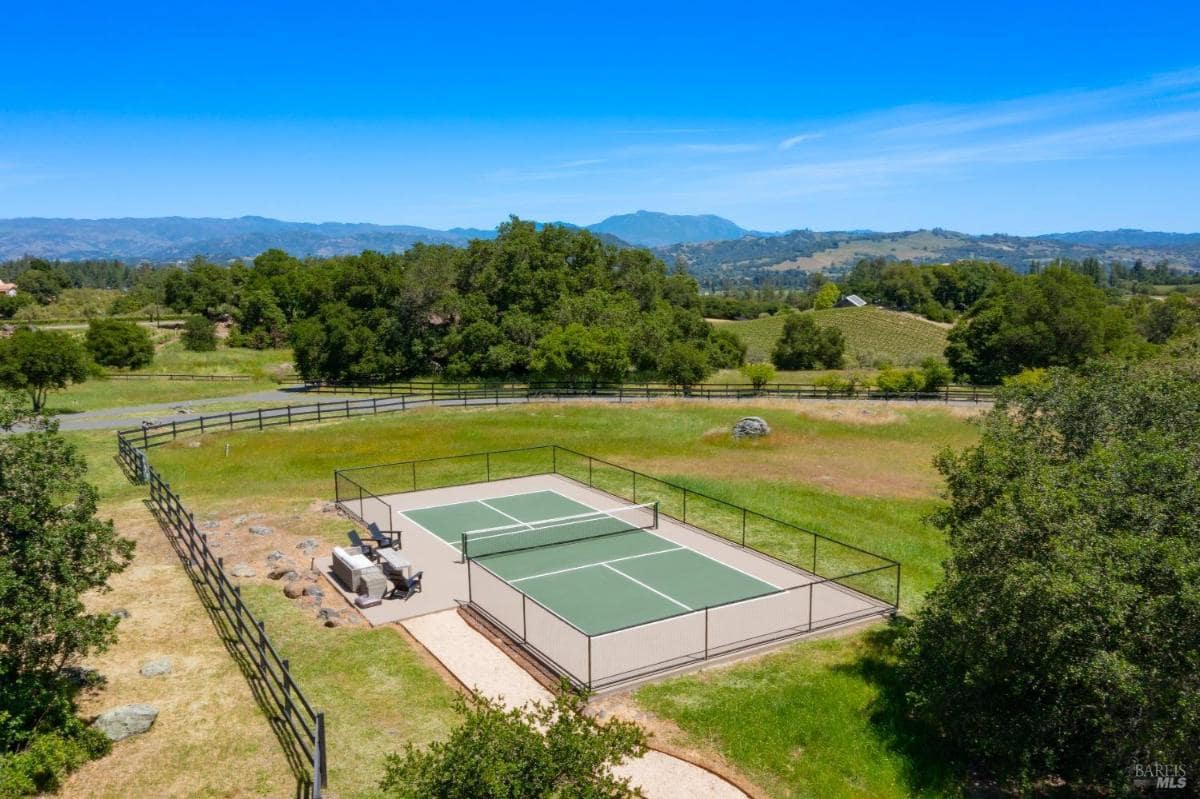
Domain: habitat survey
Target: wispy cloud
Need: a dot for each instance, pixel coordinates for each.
(792, 141)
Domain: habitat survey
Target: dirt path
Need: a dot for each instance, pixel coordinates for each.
(477, 663)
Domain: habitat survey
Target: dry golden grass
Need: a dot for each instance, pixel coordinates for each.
(210, 738)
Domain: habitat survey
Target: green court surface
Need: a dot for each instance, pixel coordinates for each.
(600, 584)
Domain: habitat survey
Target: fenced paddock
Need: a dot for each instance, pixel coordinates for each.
(815, 582)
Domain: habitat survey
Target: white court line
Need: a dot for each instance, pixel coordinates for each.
(502, 513)
(597, 563)
(466, 501)
(718, 561)
(648, 588)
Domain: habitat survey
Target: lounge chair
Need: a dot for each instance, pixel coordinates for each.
(402, 586)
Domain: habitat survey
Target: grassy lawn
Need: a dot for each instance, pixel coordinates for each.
(873, 335)
(264, 368)
(806, 721)
(813, 720)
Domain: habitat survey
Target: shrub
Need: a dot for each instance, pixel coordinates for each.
(199, 334)
(837, 384)
(41, 766)
(900, 381)
(759, 374)
(935, 374)
(552, 749)
(122, 345)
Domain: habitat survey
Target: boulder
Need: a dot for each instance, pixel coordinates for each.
(242, 570)
(261, 529)
(308, 545)
(121, 722)
(120, 613)
(158, 667)
(211, 524)
(284, 573)
(275, 557)
(751, 427)
(240, 520)
(314, 592)
(293, 590)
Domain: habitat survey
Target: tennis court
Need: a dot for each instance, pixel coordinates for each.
(600, 569)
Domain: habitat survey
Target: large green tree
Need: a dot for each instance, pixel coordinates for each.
(1055, 318)
(53, 552)
(1063, 639)
(553, 749)
(39, 361)
(806, 345)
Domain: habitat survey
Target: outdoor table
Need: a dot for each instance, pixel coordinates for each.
(395, 561)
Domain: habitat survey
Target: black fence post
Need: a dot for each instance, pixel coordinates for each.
(287, 689)
(743, 528)
(321, 777)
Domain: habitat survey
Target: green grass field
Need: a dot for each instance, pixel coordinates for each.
(873, 336)
(264, 368)
(803, 722)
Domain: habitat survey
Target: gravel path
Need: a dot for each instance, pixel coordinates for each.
(477, 663)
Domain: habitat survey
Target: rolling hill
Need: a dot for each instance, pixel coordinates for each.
(873, 335)
(799, 251)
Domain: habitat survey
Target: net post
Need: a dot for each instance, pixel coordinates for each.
(810, 604)
(463, 552)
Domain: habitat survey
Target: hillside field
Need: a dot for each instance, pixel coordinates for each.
(858, 472)
(873, 335)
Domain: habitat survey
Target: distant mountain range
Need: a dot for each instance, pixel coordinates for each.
(711, 245)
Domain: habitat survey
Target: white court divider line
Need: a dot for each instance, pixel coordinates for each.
(648, 588)
(593, 565)
(719, 538)
(502, 513)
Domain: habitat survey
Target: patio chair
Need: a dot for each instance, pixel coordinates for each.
(404, 587)
(389, 539)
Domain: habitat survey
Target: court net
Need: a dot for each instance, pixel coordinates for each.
(561, 530)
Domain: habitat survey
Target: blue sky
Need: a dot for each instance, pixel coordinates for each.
(1004, 117)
